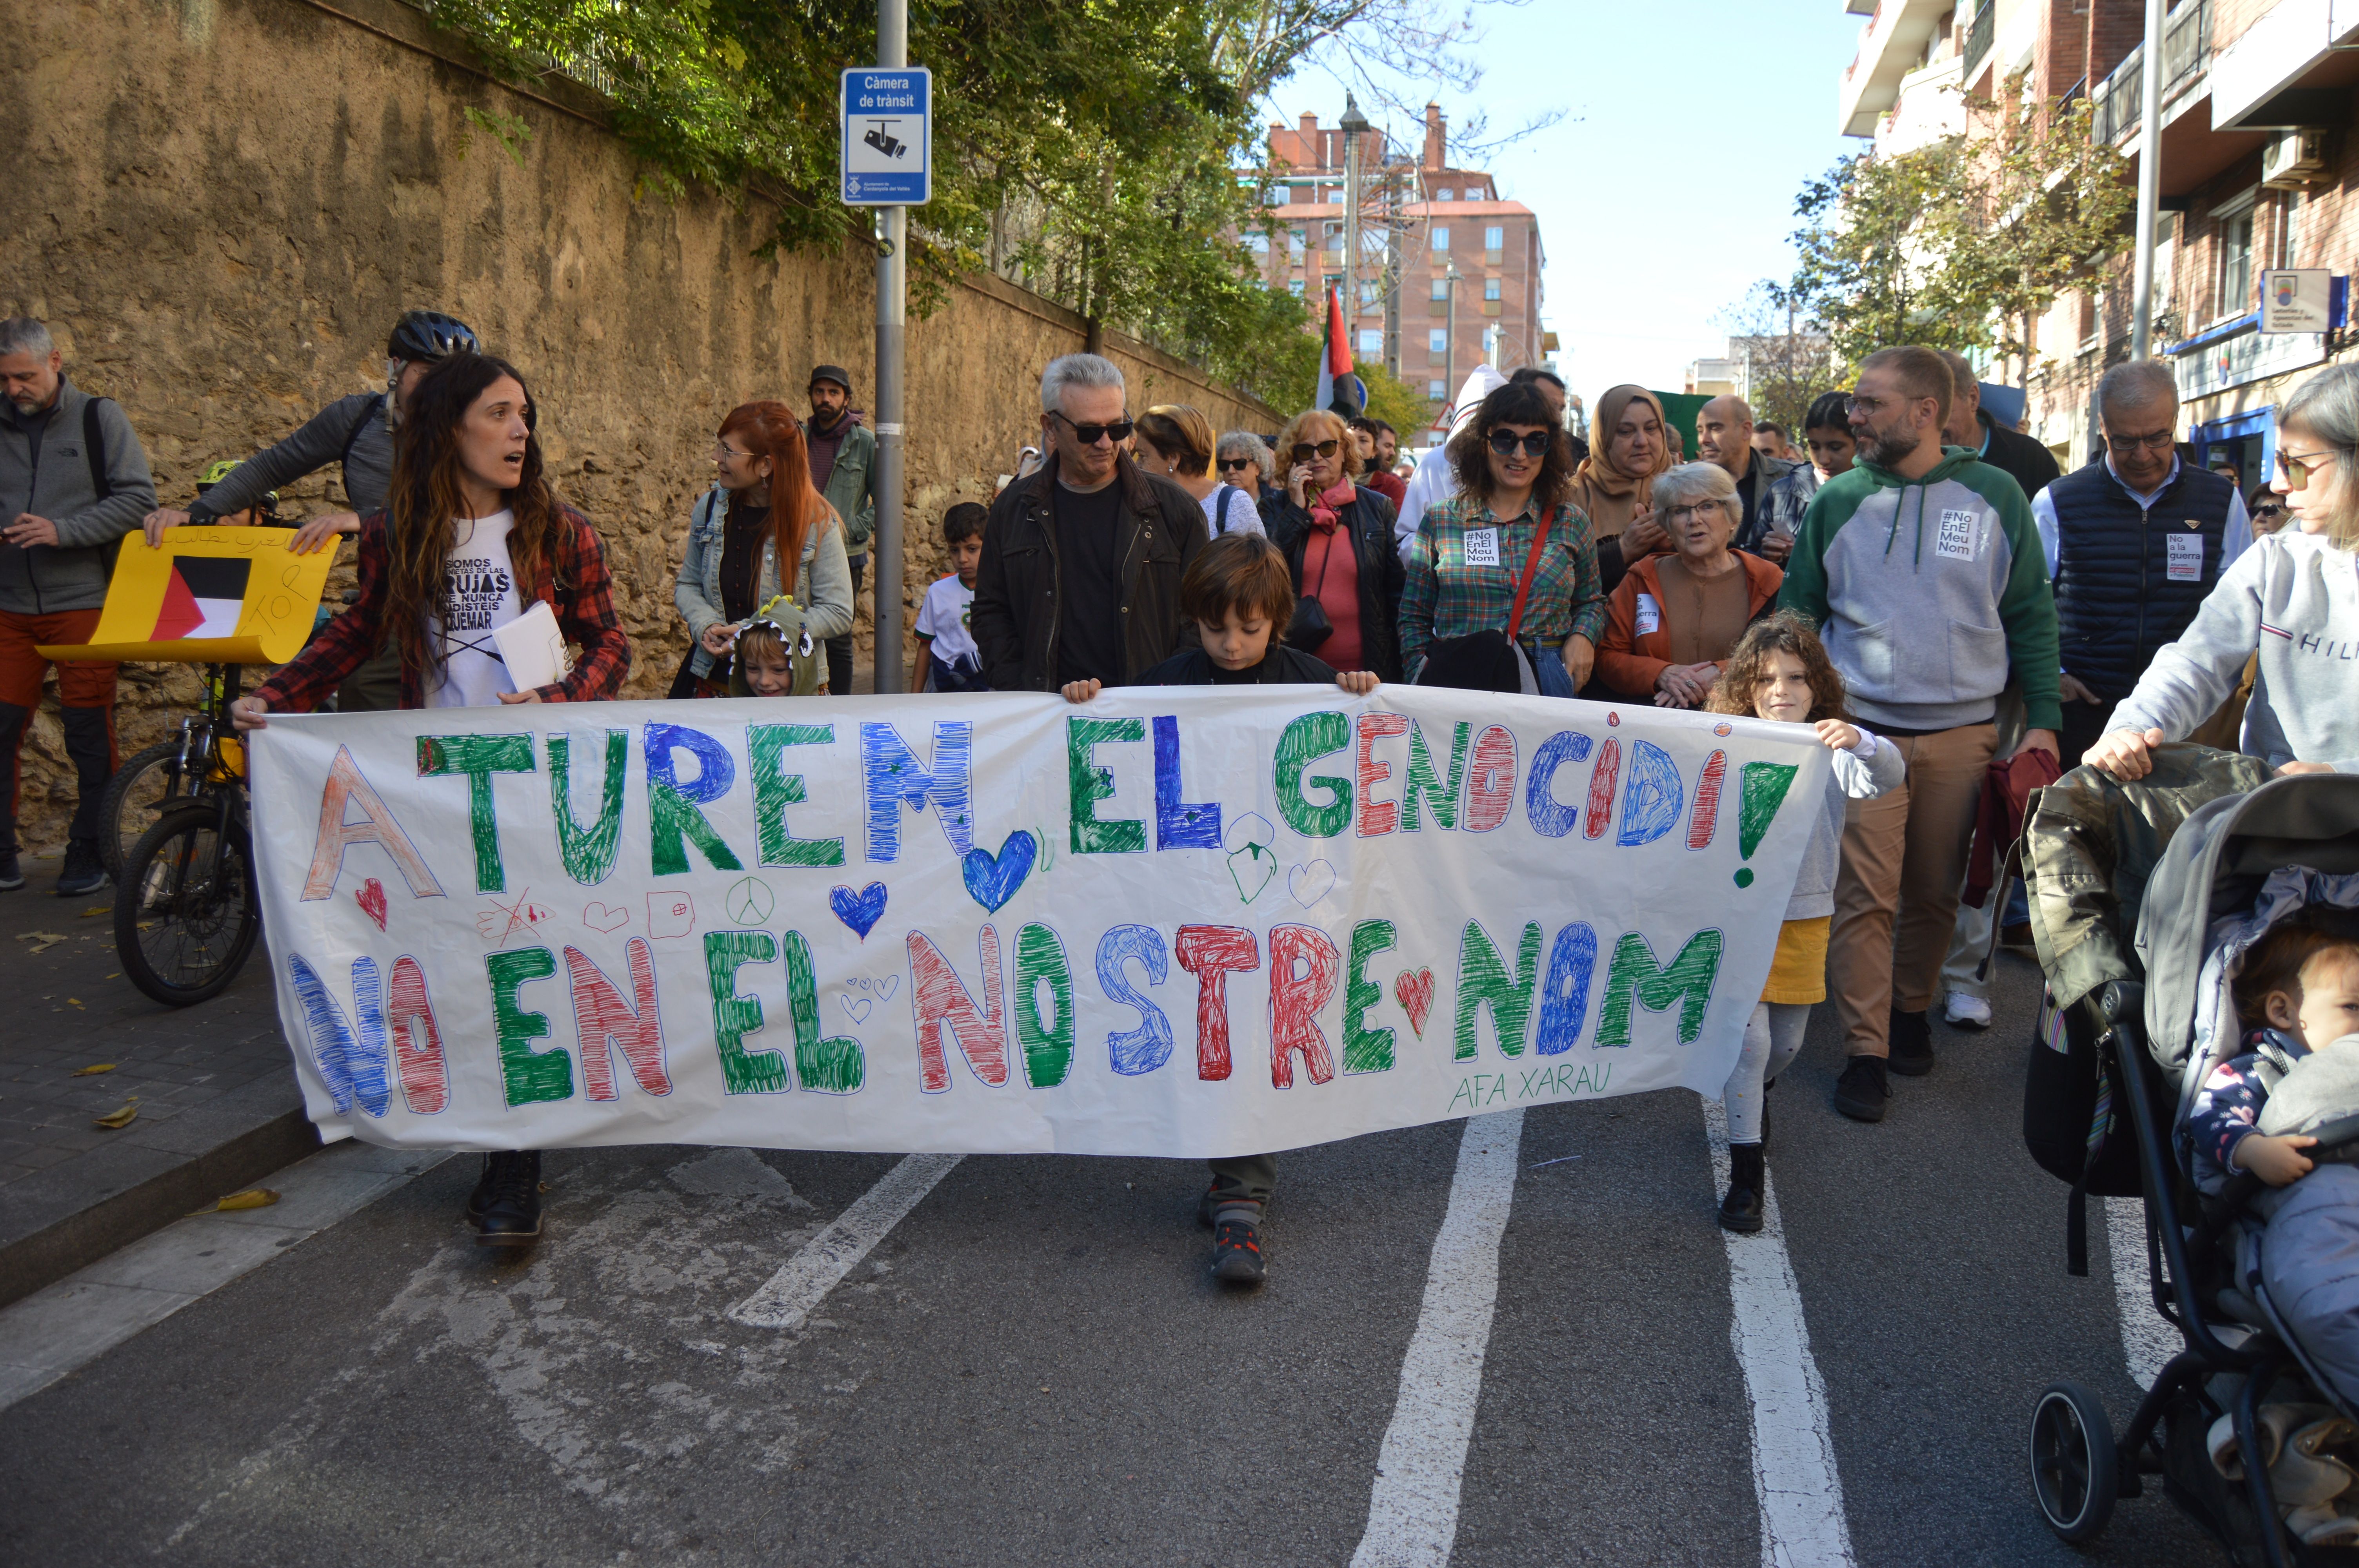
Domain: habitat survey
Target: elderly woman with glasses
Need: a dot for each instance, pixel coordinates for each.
(2292, 597)
(1245, 460)
(1176, 441)
(1337, 536)
(1674, 619)
(1507, 566)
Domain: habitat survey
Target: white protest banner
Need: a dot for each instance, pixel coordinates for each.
(1184, 921)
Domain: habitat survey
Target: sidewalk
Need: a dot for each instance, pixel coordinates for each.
(218, 1106)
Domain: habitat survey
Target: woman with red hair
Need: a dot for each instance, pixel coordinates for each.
(761, 512)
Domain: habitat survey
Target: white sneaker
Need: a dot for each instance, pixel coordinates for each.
(1962, 1011)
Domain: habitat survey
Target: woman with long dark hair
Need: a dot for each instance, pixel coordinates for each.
(1508, 560)
(761, 512)
(471, 536)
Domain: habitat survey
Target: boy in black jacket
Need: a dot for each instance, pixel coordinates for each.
(1239, 593)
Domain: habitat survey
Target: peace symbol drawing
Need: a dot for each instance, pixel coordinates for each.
(750, 902)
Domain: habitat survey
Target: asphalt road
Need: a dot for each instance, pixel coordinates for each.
(1034, 1367)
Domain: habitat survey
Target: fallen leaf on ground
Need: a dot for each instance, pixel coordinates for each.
(91, 1072)
(98, 909)
(42, 941)
(252, 1198)
(121, 1118)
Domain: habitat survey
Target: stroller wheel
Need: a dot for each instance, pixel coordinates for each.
(2072, 1466)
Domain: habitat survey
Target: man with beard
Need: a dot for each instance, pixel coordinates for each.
(1925, 574)
(842, 468)
(73, 481)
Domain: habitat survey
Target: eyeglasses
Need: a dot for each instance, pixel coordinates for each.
(1680, 515)
(2268, 509)
(1305, 450)
(1091, 435)
(724, 450)
(2160, 441)
(2298, 469)
(1536, 443)
(1231, 465)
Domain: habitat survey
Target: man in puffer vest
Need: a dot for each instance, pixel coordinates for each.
(2135, 542)
(1924, 573)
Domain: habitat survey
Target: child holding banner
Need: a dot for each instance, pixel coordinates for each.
(1238, 591)
(1780, 671)
(471, 536)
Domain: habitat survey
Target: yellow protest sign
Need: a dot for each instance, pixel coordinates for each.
(209, 595)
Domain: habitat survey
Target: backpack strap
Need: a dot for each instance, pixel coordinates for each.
(93, 448)
(345, 459)
(1229, 494)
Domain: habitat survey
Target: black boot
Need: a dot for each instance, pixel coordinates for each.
(1911, 1040)
(1748, 1177)
(505, 1207)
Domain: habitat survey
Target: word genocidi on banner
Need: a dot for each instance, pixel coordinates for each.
(1181, 922)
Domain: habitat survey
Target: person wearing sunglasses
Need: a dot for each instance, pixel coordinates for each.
(1245, 460)
(2268, 512)
(2292, 598)
(1082, 560)
(2135, 541)
(1504, 576)
(1337, 536)
(1176, 441)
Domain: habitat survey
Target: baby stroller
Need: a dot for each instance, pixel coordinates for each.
(2228, 869)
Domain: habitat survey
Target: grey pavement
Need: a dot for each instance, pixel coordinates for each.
(1034, 1367)
(216, 1097)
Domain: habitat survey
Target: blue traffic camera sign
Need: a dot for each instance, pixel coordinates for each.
(889, 136)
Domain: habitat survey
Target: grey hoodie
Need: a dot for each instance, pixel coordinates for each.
(2295, 600)
(1931, 594)
(45, 471)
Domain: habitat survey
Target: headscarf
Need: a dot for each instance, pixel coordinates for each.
(1610, 496)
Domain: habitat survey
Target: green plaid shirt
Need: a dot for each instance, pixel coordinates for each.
(1445, 597)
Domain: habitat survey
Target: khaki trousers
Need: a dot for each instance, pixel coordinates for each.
(1904, 863)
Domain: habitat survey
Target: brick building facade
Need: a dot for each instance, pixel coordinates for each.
(1450, 275)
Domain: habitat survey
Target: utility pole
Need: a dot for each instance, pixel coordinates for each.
(1449, 331)
(892, 318)
(1354, 125)
(2150, 189)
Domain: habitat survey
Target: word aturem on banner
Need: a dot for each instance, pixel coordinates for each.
(1179, 922)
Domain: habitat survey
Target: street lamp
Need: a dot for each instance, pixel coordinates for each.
(1353, 125)
(1449, 332)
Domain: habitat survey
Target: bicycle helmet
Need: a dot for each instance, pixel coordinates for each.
(222, 471)
(430, 335)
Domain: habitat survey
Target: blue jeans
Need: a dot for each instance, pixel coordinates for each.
(1547, 667)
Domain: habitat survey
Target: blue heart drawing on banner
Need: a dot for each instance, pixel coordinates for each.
(992, 879)
(861, 910)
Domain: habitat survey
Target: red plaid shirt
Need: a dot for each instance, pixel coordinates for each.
(579, 590)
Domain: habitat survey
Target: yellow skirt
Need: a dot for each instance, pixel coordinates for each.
(1798, 974)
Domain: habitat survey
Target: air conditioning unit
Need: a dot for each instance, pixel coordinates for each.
(2295, 159)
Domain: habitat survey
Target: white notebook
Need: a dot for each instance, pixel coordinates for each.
(533, 648)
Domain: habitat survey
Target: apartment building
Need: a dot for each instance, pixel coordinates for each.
(2258, 169)
(1450, 275)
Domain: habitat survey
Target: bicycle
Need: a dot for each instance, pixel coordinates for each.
(188, 906)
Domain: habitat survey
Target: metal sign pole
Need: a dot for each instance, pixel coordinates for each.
(892, 314)
(2149, 186)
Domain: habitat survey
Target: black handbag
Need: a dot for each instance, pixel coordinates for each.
(1308, 627)
(1489, 660)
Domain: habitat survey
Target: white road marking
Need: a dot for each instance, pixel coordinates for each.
(2147, 1341)
(1413, 1507)
(1794, 1475)
(58, 1331)
(805, 1280)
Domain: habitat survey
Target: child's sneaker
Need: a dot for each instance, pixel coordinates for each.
(1236, 1245)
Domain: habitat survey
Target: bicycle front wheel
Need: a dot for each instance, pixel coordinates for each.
(189, 909)
(136, 796)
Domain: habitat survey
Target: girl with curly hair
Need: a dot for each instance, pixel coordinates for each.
(1780, 671)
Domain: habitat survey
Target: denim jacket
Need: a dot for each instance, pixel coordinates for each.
(824, 581)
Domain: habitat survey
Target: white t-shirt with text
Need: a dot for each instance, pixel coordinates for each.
(479, 594)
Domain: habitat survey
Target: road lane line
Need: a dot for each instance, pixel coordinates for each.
(2147, 1341)
(1413, 1507)
(806, 1279)
(58, 1331)
(1794, 1475)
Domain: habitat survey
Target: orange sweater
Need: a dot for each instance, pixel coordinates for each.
(1629, 662)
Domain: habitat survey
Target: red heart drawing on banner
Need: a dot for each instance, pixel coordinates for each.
(1413, 988)
(371, 898)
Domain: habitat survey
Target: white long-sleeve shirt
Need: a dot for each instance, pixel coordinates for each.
(2235, 535)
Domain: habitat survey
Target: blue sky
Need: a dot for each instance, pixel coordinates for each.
(1691, 125)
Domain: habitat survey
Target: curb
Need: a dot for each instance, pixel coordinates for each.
(46, 1249)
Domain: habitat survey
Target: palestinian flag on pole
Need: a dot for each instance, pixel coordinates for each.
(1335, 351)
(203, 597)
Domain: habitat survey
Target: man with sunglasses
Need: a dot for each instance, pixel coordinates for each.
(2135, 542)
(1082, 560)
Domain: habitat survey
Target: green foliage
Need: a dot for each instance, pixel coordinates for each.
(1963, 243)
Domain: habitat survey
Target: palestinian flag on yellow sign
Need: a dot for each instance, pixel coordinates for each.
(209, 595)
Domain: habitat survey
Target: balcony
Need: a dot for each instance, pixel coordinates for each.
(1980, 33)
(2117, 101)
(2289, 68)
(1890, 46)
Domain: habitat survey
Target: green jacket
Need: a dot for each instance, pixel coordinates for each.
(1931, 593)
(852, 487)
(2091, 842)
